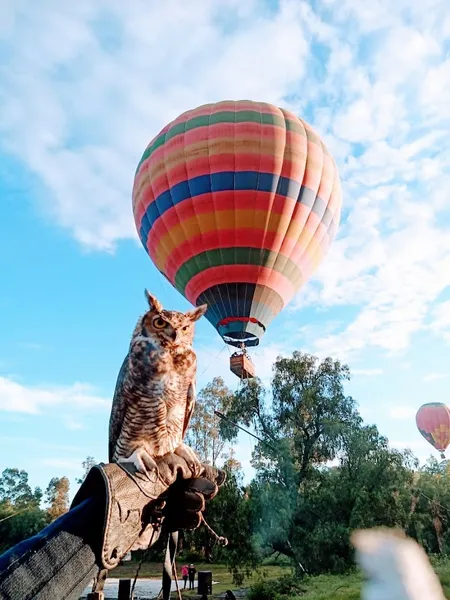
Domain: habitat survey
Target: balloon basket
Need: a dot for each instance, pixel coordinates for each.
(242, 366)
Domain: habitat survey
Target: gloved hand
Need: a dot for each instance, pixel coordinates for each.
(135, 506)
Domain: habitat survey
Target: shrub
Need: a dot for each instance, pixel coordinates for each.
(279, 589)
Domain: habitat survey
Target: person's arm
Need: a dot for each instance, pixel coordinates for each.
(111, 512)
(58, 562)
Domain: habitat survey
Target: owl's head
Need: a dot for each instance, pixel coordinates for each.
(168, 328)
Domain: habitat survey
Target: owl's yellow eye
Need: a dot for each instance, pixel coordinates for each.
(159, 323)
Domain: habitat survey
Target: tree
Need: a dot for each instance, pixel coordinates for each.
(204, 429)
(229, 514)
(20, 513)
(231, 463)
(57, 496)
(16, 491)
(302, 428)
(371, 486)
(304, 424)
(87, 466)
(430, 522)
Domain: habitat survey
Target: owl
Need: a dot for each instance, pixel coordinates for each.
(155, 391)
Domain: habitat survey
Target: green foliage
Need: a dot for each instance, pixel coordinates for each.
(320, 474)
(87, 466)
(279, 589)
(16, 491)
(204, 429)
(20, 514)
(430, 505)
(229, 514)
(57, 496)
(304, 427)
(191, 556)
(306, 509)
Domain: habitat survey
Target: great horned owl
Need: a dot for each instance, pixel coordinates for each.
(155, 390)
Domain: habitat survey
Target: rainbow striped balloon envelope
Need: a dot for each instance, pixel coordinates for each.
(236, 204)
(433, 422)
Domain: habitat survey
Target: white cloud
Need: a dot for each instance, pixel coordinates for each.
(73, 424)
(440, 320)
(435, 90)
(65, 464)
(394, 276)
(405, 54)
(402, 412)
(421, 449)
(64, 78)
(367, 372)
(392, 256)
(89, 84)
(435, 376)
(371, 118)
(16, 397)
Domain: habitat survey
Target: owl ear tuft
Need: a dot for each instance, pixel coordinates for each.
(196, 313)
(153, 302)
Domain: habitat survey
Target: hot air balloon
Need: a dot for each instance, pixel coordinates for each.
(236, 204)
(433, 422)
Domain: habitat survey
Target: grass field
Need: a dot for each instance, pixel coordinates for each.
(220, 574)
(322, 587)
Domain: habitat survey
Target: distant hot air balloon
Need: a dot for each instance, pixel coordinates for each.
(433, 422)
(237, 203)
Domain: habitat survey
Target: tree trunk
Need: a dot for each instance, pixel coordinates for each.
(283, 548)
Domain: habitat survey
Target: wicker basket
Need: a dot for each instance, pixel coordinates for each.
(242, 366)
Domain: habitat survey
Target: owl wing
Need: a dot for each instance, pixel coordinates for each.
(190, 403)
(118, 409)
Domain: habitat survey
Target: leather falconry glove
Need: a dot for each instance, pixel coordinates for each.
(135, 506)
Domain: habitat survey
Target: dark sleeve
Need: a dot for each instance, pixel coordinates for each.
(57, 563)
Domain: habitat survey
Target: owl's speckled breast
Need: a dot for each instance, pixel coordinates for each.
(156, 390)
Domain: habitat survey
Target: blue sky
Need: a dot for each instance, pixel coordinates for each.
(84, 88)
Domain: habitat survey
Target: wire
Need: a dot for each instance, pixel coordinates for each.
(13, 515)
(141, 562)
(221, 416)
(215, 358)
(435, 501)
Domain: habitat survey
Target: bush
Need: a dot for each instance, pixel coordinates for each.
(191, 556)
(280, 560)
(279, 589)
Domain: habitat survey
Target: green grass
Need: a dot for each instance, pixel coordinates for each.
(322, 587)
(220, 574)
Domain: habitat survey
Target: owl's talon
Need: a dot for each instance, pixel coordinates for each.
(192, 460)
(144, 463)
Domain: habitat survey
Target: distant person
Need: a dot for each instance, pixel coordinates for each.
(184, 574)
(192, 571)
